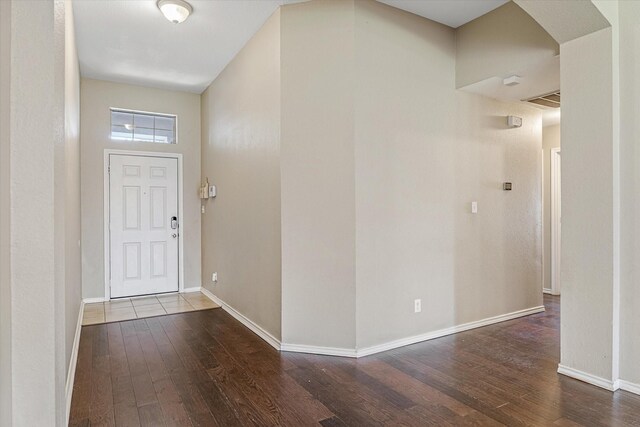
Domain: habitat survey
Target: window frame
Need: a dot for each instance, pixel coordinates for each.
(147, 113)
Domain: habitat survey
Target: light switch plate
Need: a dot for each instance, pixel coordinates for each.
(474, 207)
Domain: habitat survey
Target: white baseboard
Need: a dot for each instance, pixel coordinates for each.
(326, 351)
(589, 378)
(254, 327)
(192, 289)
(71, 374)
(366, 351)
(598, 381)
(629, 386)
(94, 300)
(351, 352)
(547, 291)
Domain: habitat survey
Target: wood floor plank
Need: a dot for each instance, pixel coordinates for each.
(124, 401)
(102, 409)
(418, 391)
(193, 402)
(206, 369)
(293, 405)
(151, 415)
(81, 399)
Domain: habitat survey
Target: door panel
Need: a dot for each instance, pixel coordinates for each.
(143, 194)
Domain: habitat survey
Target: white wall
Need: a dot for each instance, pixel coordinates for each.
(318, 181)
(241, 156)
(550, 139)
(499, 43)
(96, 99)
(424, 151)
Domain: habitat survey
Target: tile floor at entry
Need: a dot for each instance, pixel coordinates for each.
(136, 308)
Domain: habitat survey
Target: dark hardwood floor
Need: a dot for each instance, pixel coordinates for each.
(206, 369)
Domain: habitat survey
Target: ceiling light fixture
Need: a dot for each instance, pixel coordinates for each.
(512, 80)
(176, 11)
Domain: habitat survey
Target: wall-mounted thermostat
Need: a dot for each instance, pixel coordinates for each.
(514, 121)
(506, 186)
(204, 190)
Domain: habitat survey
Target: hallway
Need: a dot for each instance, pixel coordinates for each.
(206, 369)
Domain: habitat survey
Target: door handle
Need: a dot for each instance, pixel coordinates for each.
(174, 222)
(174, 235)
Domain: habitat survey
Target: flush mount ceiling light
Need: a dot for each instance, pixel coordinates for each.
(176, 11)
(512, 80)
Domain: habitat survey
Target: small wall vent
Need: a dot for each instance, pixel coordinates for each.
(549, 100)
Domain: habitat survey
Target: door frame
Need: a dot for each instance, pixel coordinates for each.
(107, 217)
(556, 220)
(544, 226)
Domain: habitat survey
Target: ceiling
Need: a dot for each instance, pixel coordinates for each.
(129, 41)
(453, 13)
(537, 79)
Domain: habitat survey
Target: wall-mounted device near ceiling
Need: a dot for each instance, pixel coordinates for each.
(548, 100)
(514, 121)
(512, 80)
(175, 11)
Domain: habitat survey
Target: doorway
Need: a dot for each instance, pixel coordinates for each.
(551, 201)
(142, 224)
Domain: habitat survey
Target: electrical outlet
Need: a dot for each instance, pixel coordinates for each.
(214, 277)
(417, 306)
(202, 208)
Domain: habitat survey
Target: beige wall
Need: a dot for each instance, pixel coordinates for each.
(498, 43)
(96, 99)
(5, 210)
(35, 150)
(375, 163)
(630, 186)
(241, 156)
(598, 184)
(424, 151)
(372, 180)
(318, 183)
(588, 301)
(550, 139)
(73, 261)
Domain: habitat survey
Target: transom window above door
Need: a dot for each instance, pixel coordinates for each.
(137, 126)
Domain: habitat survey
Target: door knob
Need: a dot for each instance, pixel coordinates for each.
(174, 235)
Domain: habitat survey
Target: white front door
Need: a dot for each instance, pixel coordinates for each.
(143, 211)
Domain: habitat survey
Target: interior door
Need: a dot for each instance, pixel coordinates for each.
(143, 226)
